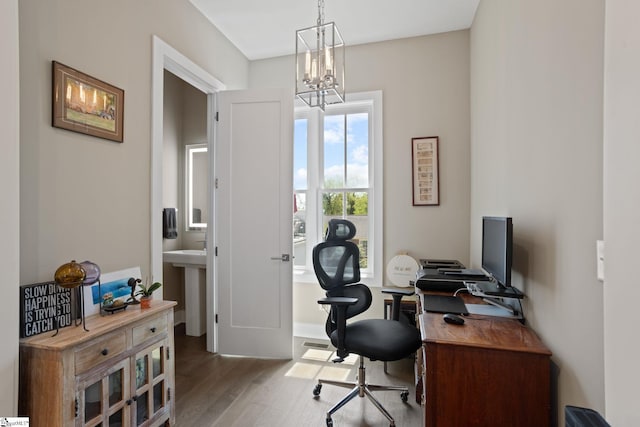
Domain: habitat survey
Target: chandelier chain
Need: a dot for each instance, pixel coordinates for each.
(320, 12)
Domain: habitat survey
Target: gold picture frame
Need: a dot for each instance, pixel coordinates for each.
(84, 104)
(425, 171)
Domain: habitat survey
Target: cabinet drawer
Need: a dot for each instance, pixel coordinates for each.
(149, 329)
(99, 350)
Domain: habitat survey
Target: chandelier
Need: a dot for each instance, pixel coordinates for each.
(320, 63)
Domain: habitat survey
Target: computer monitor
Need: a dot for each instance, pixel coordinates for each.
(497, 248)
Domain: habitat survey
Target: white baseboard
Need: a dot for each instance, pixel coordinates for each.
(309, 330)
(304, 330)
(179, 317)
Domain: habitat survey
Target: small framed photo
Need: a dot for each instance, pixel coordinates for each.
(84, 104)
(424, 166)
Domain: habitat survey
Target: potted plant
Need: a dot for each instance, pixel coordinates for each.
(145, 294)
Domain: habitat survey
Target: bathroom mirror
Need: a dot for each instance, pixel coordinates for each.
(197, 176)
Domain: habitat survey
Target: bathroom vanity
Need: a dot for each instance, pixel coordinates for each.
(192, 261)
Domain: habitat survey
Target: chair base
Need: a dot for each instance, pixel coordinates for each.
(361, 388)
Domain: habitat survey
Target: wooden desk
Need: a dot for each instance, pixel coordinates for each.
(490, 371)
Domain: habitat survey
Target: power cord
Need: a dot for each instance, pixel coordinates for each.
(455, 294)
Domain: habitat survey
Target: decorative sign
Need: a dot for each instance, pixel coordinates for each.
(44, 307)
(426, 182)
(401, 270)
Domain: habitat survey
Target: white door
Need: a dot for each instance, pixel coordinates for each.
(253, 228)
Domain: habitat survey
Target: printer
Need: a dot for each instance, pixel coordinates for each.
(446, 279)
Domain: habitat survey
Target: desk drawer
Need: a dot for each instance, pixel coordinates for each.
(149, 329)
(100, 350)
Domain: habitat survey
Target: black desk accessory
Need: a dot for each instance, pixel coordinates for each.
(441, 263)
(433, 279)
(444, 304)
(453, 319)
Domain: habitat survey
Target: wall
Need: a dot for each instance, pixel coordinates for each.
(184, 121)
(536, 155)
(83, 197)
(621, 212)
(425, 85)
(9, 214)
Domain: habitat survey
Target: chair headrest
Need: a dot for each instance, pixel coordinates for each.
(340, 230)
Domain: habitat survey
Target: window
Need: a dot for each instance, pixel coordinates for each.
(338, 174)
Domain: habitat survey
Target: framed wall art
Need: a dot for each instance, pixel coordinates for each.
(115, 282)
(424, 162)
(46, 307)
(84, 104)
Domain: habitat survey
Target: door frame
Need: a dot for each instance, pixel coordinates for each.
(165, 57)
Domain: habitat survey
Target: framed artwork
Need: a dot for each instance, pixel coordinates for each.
(84, 104)
(46, 307)
(424, 166)
(115, 283)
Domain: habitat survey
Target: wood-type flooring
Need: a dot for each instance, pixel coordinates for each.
(221, 391)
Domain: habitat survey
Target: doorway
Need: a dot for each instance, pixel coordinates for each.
(235, 155)
(167, 58)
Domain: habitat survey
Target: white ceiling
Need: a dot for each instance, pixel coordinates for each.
(265, 29)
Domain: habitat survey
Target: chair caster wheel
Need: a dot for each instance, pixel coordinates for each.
(316, 392)
(404, 396)
(329, 422)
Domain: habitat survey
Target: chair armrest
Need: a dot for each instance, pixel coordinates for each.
(339, 307)
(338, 301)
(397, 295)
(402, 292)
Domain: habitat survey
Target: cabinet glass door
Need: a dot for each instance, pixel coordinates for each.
(103, 398)
(92, 402)
(152, 395)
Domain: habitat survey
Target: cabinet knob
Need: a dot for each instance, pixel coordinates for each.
(105, 351)
(153, 329)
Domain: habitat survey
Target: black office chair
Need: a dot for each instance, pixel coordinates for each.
(336, 262)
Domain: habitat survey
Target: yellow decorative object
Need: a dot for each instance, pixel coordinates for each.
(70, 275)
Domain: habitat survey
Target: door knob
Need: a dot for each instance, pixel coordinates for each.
(283, 258)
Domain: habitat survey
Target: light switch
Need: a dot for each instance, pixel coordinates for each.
(600, 260)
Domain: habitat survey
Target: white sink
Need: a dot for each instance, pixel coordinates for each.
(193, 261)
(186, 257)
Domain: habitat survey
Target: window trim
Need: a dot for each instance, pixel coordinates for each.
(373, 102)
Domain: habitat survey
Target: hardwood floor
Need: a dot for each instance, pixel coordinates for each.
(220, 391)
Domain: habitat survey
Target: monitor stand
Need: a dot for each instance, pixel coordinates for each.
(492, 293)
(492, 289)
(500, 304)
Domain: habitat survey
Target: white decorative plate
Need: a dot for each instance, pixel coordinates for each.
(401, 270)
